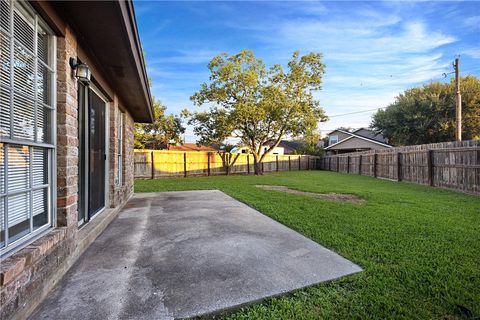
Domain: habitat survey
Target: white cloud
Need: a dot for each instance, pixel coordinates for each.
(370, 58)
(365, 37)
(472, 22)
(472, 52)
(371, 54)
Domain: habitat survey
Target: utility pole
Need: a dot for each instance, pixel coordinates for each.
(458, 101)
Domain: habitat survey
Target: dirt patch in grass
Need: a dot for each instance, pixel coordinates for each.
(327, 196)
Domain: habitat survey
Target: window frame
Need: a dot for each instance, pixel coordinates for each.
(49, 125)
(84, 179)
(120, 147)
(330, 139)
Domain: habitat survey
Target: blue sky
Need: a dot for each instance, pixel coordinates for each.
(372, 50)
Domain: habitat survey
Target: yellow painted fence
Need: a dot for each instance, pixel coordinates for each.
(152, 164)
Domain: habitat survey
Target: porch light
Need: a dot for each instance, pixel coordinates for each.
(82, 71)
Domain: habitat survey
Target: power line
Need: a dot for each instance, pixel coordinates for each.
(375, 109)
(328, 130)
(355, 112)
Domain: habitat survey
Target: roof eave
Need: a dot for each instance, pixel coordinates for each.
(141, 59)
(109, 38)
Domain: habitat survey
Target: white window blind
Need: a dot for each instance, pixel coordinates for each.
(26, 113)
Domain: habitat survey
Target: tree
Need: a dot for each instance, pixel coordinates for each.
(259, 106)
(165, 129)
(309, 145)
(309, 148)
(427, 114)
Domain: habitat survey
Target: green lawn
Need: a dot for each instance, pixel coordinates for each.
(419, 246)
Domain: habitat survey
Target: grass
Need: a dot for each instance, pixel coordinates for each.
(419, 246)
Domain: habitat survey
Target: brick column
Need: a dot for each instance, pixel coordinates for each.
(113, 152)
(67, 133)
(128, 166)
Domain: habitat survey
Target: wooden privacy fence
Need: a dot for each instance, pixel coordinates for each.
(151, 164)
(452, 165)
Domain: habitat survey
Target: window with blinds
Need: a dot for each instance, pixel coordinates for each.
(26, 113)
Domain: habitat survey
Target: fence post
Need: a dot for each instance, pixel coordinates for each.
(289, 164)
(185, 164)
(299, 163)
(329, 163)
(360, 165)
(477, 175)
(248, 163)
(338, 163)
(348, 164)
(375, 164)
(430, 167)
(227, 162)
(399, 168)
(208, 163)
(276, 159)
(308, 162)
(263, 168)
(153, 165)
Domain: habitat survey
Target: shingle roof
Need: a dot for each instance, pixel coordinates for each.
(190, 147)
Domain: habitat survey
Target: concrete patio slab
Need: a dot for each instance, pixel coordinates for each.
(182, 254)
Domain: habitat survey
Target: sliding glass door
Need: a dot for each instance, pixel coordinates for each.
(93, 153)
(97, 154)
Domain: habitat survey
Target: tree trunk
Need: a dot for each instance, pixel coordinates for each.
(257, 166)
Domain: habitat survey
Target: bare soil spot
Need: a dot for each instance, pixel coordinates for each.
(327, 196)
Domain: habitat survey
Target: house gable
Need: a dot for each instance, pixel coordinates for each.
(341, 134)
(357, 142)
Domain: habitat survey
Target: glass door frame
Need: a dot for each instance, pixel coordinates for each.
(84, 151)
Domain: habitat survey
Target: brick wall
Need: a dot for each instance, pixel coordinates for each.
(27, 276)
(128, 168)
(67, 133)
(25, 273)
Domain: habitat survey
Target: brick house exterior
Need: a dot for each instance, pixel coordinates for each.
(107, 41)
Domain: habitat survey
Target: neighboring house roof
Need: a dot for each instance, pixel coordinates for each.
(337, 130)
(368, 133)
(353, 135)
(190, 147)
(108, 43)
(289, 146)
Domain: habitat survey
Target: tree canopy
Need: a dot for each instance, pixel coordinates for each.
(259, 106)
(427, 114)
(165, 129)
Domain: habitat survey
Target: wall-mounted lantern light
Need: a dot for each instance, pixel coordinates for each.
(82, 71)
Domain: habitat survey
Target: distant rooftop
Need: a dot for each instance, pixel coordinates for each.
(190, 147)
